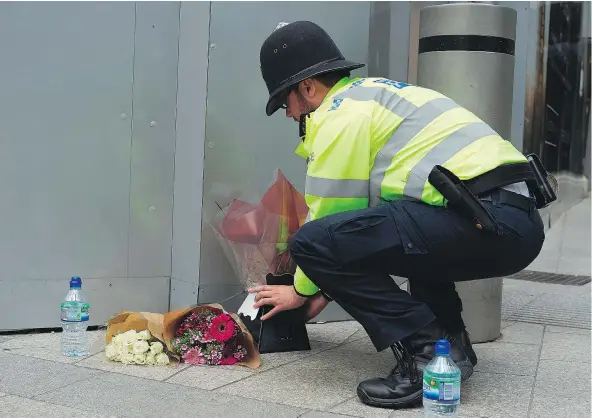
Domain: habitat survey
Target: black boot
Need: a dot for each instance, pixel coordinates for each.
(462, 339)
(402, 388)
(423, 343)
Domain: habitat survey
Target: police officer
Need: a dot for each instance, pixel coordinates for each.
(375, 150)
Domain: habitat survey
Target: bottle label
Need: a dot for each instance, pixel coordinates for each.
(441, 388)
(75, 311)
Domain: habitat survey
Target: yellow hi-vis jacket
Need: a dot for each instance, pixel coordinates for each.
(374, 139)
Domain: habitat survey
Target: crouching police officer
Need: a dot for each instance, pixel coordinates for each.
(401, 181)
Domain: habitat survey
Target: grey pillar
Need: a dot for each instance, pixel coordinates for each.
(466, 53)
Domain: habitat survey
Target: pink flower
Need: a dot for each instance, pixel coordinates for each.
(194, 356)
(228, 361)
(184, 347)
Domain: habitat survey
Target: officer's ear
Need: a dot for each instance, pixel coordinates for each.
(308, 88)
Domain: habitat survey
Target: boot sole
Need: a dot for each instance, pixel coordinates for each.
(406, 402)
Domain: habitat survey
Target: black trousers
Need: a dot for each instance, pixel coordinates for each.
(351, 255)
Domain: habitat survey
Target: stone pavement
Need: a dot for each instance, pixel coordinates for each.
(534, 370)
(567, 243)
(540, 367)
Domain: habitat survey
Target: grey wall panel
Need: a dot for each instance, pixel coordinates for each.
(65, 79)
(243, 146)
(106, 296)
(183, 294)
(189, 150)
(153, 138)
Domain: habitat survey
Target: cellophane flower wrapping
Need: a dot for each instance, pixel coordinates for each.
(148, 337)
(255, 235)
(208, 336)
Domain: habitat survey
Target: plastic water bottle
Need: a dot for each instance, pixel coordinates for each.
(74, 319)
(441, 384)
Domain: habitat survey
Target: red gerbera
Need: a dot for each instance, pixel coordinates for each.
(222, 328)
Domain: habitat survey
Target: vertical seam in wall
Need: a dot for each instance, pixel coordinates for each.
(205, 130)
(129, 191)
(174, 158)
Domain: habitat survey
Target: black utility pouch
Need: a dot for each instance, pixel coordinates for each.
(461, 199)
(285, 331)
(544, 185)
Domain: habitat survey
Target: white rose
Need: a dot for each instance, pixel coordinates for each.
(129, 338)
(156, 348)
(144, 335)
(139, 359)
(111, 352)
(162, 359)
(140, 347)
(116, 339)
(150, 359)
(127, 358)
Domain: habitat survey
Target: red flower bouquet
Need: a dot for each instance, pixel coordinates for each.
(209, 336)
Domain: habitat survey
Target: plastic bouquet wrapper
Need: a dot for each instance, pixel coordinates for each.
(204, 334)
(254, 235)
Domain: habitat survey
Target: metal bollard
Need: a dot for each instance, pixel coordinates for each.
(466, 51)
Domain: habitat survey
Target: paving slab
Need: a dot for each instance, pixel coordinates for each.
(26, 376)
(566, 347)
(46, 346)
(521, 333)
(495, 396)
(354, 407)
(562, 389)
(16, 406)
(210, 377)
(333, 332)
(317, 414)
(507, 358)
(4, 338)
(331, 376)
(100, 362)
(112, 393)
(566, 330)
(273, 360)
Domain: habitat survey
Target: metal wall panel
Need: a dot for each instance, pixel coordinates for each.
(36, 304)
(243, 145)
(194, 33)
(153, 138)
(77, 82)
(65, 79)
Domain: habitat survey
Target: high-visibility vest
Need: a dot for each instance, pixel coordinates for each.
(374, 139)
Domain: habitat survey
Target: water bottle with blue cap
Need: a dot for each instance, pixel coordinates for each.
(74, 320)
(441, 384)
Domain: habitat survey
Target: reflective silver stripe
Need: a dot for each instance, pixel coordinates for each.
(322, 187)
(441, 153)
(407, 130)
(386, 98)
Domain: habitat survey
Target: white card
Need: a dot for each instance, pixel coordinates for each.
(247, 309)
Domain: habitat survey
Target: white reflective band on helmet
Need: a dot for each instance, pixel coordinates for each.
(443, 151)
(322, 187)
(407, 130)
(280, 25)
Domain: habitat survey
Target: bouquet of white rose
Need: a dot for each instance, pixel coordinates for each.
(132, 347)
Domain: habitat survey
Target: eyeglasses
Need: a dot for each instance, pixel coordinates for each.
(285, 96)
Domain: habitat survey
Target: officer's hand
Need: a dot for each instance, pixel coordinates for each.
(316, 305)
(283, 298)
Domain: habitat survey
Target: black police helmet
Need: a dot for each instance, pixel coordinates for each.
(294, 52)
